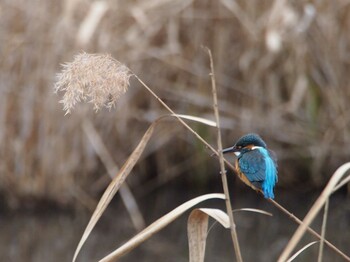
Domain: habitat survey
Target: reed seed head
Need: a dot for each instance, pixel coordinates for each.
(96, 78)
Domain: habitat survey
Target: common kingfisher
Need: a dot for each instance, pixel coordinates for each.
(255, 163)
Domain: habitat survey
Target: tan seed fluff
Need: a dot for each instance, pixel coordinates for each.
(96, 78)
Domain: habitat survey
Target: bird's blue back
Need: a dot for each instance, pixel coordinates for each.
(260, 168)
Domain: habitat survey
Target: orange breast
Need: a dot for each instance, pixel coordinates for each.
(243, 177)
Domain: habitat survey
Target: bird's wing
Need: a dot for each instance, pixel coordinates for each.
(252, 165)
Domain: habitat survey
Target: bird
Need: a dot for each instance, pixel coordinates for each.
(256, 165)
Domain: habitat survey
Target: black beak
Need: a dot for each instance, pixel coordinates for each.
(229, 150)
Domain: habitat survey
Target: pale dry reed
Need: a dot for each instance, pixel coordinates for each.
(96, 78)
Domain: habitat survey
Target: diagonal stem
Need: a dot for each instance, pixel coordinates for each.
(313, 232)
(112, 168)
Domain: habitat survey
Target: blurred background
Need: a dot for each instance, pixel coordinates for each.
(282, 71)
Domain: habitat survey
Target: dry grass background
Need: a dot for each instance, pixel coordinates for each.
(281, 69)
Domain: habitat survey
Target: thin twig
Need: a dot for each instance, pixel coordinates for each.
(233, 231)
(176, 116)
(298, 221)
(323, 231)
(284, 210)
(339, 173)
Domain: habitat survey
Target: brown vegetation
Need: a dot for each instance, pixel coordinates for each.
(281, 71)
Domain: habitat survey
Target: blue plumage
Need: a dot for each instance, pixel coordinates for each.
(270, 174)
(256, 163)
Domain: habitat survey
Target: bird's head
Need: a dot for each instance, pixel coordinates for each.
(245, 143)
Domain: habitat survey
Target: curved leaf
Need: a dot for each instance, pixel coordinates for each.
(157, 226)
(197, 230)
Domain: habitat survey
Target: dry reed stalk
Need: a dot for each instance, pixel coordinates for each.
(323, 231)
(313, 232)
(112, 168)
(233, 230)
(339, 173)
(114, 186)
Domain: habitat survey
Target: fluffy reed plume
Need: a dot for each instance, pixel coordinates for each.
(98, 78)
